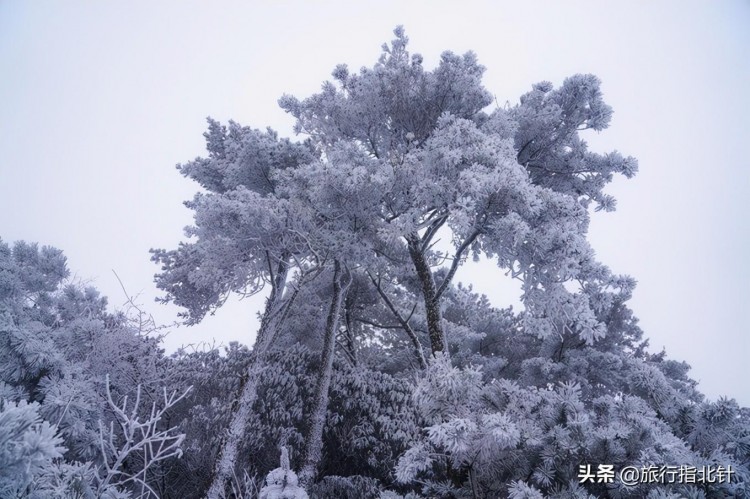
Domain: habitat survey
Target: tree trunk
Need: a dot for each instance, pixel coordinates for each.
(351, 346)
(438, 341)
(242, 412)
(242, 407)
(314, 441)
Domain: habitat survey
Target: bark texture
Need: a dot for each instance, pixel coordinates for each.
(314, 441)
(438, 342)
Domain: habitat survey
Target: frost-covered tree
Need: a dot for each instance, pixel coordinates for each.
(345, 228)
(50, 331)
(59, 344)
(435, 160)
(245, 236)
(388, 113)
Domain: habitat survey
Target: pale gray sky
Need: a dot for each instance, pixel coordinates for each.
(99, 101)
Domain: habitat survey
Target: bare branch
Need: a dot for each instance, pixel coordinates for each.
(404, 323)
(142, 438)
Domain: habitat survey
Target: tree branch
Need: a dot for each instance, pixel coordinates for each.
(456, 262)
(431, 231)
(404, 323)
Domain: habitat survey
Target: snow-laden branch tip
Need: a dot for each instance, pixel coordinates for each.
(143, 438)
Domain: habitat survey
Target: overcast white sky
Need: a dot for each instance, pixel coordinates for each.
(99, 101)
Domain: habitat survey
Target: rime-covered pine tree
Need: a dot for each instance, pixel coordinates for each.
(344, 229)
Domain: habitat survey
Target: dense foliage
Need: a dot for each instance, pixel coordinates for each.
(373, 373)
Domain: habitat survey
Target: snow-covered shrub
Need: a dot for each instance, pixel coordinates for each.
(282, 482)
(371, 419)
(479, 437)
